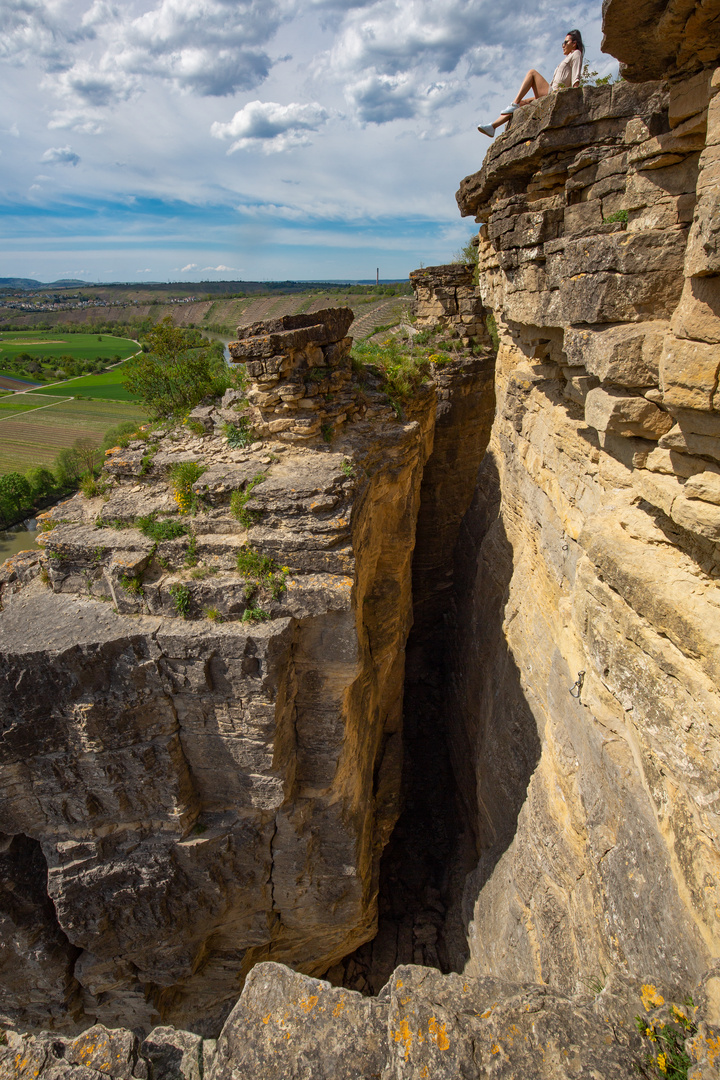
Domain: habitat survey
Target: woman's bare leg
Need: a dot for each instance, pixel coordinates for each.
(533, 81)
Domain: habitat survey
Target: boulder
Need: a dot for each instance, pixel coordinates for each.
(287, 1026)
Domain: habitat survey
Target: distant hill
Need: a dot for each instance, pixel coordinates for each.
(19, 283)
(211, 287)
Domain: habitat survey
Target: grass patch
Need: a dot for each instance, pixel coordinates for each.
(262, 570)
(239, 500)
(252, 613)
(160, 530)
(16, 404)
(108, 385)
(619, 215)
(240, 434)
(181, 599)
(404, 366)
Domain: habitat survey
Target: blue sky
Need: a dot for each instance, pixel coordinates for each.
(259, 139)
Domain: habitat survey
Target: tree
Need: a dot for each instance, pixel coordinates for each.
(68, 466)
(87, 453)
(15, 493)
(41, 481)
(173, 377)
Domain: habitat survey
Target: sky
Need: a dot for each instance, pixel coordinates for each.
(191, 140)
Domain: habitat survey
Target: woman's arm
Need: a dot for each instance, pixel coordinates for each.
(575, 67)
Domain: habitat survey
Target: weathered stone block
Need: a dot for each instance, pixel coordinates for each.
(688, 97)
(174, 1054)
(697, 517)
(624, 355)
(625, 414)
(676, 464)
(697, 316)
(689, 373)
(287, 1026)
(690, 443)
(704, 485)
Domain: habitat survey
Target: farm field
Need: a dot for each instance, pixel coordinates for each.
(107, 384)
(15, 404)
(35, 438)
(53, 344)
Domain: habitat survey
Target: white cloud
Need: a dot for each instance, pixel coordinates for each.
(36, 32)
(61, 155)
(190, 266)
(76, 120)
(221, 269)
(393, 57)
(270, 127)
(106, 54)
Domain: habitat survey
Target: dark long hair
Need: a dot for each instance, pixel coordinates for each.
(577, 39)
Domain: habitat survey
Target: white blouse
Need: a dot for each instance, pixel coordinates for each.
(567, 73)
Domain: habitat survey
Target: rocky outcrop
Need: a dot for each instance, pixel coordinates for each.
(446, 299)
(655, 39)
(422, 1024)
(298, 367)
(585, 706)
(202, 711)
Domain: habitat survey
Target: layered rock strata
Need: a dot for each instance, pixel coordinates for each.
(445, 298)
(299, 373)
(585, 708)
(201, 718)
(202, 697)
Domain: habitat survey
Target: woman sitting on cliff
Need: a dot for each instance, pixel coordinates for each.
(567, 73)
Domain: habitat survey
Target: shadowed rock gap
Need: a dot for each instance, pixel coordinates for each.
(431, 849)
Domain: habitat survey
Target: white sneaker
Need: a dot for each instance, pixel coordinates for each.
(510, 109)
(487, 129)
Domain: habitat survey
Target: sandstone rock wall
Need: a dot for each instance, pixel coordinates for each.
(202, 689)
(199, 758)
(585, 703)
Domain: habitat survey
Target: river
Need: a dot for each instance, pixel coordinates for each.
(19, 538)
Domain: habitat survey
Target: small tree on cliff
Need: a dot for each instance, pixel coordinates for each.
(174, 375)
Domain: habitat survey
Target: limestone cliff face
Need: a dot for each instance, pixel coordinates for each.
(586, 655)
(200, 756)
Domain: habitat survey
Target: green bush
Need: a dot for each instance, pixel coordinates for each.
(255, 614)
(68, 466)
(240, 434)
(15, 494)
(468, 253)
(175, 374)
(118, 435)
(619, 215)
(182, 477)
(41, 481)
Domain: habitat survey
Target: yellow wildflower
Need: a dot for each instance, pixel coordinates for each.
(651, 999)
(651, 1034)
(662, 1063)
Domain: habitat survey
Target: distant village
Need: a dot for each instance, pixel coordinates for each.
(42, 301)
